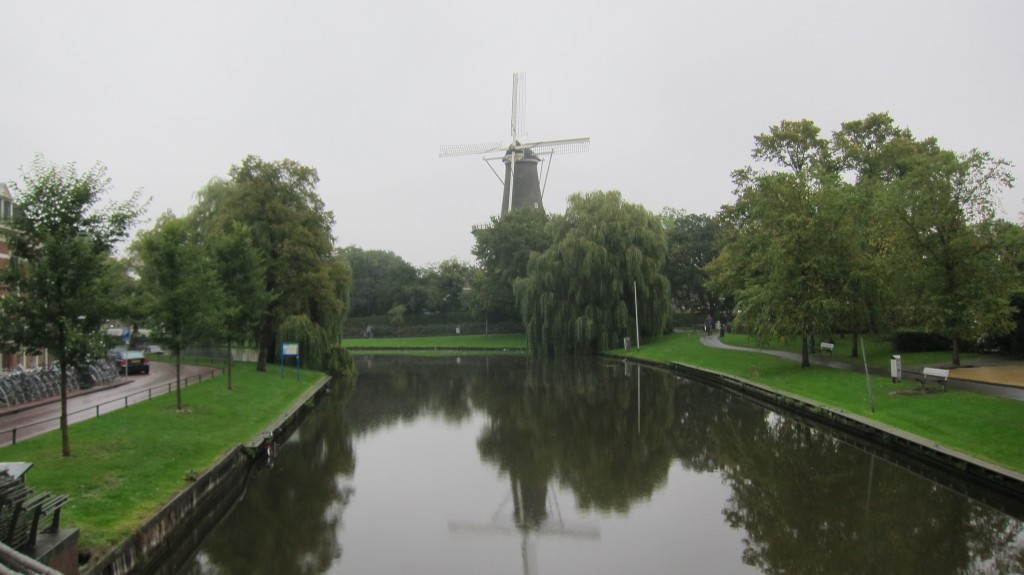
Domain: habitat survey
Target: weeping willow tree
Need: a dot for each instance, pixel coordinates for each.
(318, 347)
(578, 296)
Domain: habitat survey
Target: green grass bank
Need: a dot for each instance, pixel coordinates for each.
(129, 463)
(985, 427)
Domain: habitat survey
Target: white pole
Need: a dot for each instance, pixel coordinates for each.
(636, 312)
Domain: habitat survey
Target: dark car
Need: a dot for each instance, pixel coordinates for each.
(129, 362)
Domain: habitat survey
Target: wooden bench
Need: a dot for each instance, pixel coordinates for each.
(936, 374)
(21, 513)
(51, 506)
(17, 533)
(827, 346)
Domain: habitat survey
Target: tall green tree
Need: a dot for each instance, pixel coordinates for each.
(184, 299)
(944, 207)
(56, 289)
(502, 250)
(125, 291)
(291, 229)
(864, 151)
(380, 280)
(692, 245)
(441, 287)
(578, 296)
(1010, 238)
(786, 251)
(241, 271)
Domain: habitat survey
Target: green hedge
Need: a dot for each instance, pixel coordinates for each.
(427, 325)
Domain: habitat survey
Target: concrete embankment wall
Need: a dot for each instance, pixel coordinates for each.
(173, 534)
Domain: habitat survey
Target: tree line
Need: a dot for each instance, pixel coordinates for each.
(253, 261)
(869, 230)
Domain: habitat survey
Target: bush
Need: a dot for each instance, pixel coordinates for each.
(339, 362)
(908, 341)
(427, 325)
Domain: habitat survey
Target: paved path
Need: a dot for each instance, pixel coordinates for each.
(38, 417)
(1001, 379)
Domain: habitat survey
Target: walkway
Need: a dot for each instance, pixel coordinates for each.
(996, 377)
(38, 417)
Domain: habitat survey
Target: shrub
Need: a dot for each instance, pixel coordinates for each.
(339, 362)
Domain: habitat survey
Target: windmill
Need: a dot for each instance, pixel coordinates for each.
(522, 181)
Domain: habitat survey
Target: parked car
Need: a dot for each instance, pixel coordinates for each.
(154, 350)
(129, 362)
(113, 354)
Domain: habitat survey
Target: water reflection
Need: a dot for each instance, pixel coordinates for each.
(288, 518)
(615, 438)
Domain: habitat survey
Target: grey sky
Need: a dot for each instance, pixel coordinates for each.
(169, 95)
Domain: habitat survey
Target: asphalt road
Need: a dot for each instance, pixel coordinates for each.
(28, 420)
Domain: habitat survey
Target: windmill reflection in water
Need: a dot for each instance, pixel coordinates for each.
(531, 503)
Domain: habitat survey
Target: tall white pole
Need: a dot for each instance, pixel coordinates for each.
(636, 312)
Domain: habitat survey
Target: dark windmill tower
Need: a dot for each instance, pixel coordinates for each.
(522, 185)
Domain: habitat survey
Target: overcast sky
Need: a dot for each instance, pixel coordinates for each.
(169, 95)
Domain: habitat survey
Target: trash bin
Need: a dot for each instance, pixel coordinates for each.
(896, 368)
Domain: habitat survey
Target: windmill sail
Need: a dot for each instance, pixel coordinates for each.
(521, 184)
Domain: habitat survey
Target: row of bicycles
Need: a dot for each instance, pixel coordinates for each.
(18, 386)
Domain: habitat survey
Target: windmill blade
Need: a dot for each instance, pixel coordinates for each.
(570, 146)
(471, 149)
(518, 106)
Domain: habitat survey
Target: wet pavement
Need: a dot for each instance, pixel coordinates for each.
(31, 419)
(989, 375)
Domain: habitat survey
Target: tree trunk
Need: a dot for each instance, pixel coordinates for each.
(853, 351)
(956, 351)
(805, 352)
(231, 364)
(177, 372)
(265, 342)
(65, 436)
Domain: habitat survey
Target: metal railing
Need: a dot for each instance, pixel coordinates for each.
(97, 410)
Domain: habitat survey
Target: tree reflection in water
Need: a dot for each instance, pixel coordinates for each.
(806, 501)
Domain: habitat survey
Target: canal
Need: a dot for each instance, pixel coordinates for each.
(504, 464)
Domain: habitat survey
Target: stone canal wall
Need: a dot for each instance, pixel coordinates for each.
(176, 531)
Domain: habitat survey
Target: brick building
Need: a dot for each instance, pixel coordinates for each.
(6, 213)
(7, 361)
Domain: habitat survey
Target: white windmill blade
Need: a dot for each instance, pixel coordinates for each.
(518, 106)
(569, 146)
(471, 149)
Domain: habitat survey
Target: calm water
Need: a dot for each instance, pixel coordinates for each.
(506, 465)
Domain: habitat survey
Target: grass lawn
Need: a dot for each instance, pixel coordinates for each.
(878, 350)
(127, 464)
(985, 427)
